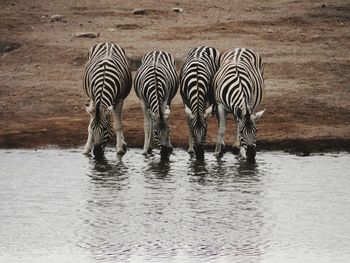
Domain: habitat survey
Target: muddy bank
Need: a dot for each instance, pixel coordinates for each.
(68, 132)
(304, 43)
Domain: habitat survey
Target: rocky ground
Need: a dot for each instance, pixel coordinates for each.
(304, 43)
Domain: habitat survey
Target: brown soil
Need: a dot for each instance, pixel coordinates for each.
(305, 45)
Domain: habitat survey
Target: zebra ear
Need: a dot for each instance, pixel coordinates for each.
(208, 112)
(257, 116)
(90, 108)
(189, 113)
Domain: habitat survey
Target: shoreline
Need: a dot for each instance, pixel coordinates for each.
(294, 146)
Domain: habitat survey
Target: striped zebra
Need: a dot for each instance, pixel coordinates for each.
(107, 82)
(239, 89)
(156, 84)
(197, 93)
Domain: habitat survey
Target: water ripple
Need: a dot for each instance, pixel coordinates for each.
(142, 209)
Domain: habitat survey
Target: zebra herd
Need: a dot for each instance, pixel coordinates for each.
(209, 83)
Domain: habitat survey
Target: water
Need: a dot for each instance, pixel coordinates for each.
(60, 206)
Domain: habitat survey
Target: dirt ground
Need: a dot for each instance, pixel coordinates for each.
(304, 43)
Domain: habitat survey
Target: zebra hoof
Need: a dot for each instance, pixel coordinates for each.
(190, 151)
(149, 150)
(218, 154)
(125, 148)
(121, 151)
(87, 152)
(219, 151)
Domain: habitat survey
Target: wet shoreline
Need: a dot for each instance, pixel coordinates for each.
(301, 147)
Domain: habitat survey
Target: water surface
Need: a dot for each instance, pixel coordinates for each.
(61, 206)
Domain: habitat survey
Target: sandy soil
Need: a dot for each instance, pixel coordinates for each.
(304, 43)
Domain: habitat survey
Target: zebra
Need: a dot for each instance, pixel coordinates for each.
(156, 83)
(107, 82)
(197, 94)
(239, 89)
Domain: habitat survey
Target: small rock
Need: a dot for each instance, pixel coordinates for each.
(110, 29)
(342, 24)
(270, 30)
(85, 35)
(6, 47)
(56, 18)
(139, 11)
(177, 10)
(79, 60)
(324, 5)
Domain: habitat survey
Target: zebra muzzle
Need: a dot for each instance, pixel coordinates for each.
(98, 151)
(251, 153)
(199, 150)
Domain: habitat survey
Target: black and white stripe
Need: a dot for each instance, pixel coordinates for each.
(197, 93)
(239, 89)
(156, 84)
(107, 82)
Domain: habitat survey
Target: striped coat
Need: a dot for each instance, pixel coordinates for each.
(239, 89)
(197, 93)
(156, 84)
(107, 82)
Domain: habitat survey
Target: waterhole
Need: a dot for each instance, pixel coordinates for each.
(61, 206)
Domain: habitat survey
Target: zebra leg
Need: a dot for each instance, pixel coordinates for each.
(220, 145)
(169, 146)
(190, 135)
(89, 142)
(235, 146)
(147, 129)
(117, 114)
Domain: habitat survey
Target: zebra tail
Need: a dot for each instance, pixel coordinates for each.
(160, 109)
(98, 104)
(212, 100)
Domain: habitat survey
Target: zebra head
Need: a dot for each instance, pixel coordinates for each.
(199, 128)
(160, 127)
(100, 127)
(247, 131)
